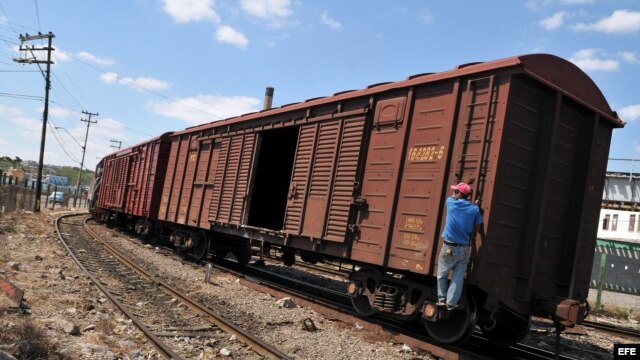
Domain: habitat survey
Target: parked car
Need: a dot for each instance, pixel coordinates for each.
(56, 197)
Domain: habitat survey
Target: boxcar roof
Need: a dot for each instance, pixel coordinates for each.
(551, 70)
(129, 149)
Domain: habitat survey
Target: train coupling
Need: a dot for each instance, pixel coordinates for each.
(568, 312)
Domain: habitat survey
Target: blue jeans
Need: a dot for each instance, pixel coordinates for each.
(457, 264)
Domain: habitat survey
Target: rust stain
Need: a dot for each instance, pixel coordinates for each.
(11, 291)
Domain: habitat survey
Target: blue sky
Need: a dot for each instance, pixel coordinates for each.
(150, 66)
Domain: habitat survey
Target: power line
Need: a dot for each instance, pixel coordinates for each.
(145, 89)
(64, 150)
(75, 87)
(18, 71)
(21, 96)
(67, 131)
(38, 15)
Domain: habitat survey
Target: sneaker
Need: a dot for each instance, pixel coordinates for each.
(441, 302)
(451, 307)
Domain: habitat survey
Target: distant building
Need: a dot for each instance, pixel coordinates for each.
(56, 180)
(15, 173)
(616, 262)
(619, 225)
(620, 212)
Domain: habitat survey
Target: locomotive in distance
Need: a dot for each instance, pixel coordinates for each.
(363, 175)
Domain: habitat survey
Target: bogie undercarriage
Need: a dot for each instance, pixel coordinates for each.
(410, 298)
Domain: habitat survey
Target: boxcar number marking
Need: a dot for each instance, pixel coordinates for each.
(425, 153)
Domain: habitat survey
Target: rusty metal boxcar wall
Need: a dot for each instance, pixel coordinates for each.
(364, 174)
(131, 179)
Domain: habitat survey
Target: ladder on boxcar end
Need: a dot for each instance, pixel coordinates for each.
(480, 107)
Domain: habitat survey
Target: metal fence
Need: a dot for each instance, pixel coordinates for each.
(18, 194)
(616, 268)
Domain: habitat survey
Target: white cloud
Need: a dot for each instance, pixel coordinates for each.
(594, 60)
(140, 83)
(538, 4)
(275, 11)
(27, 123)
(426, 17)
(330, 22)
(57, 55)
(630, 113)
(185, 11)
(109, 77)
(554, 21)
(147, 83)
(577, 2)
(205, 108)
(628, 56)
(94, 59)
(113, 129)
(10, 112)
(620, 22)
(227, 34)
(59, 112)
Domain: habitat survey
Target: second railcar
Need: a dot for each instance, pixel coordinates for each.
(128, 184)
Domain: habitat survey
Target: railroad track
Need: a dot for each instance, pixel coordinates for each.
(336, 304)
(613, 328)
(477, 346)
(160, 311)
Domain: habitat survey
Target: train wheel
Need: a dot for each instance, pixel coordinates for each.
(242, 257)
(220, 254)
(369, 279)
(309, 258)
(289, 257)
(362, 305)
(200, 247)
(458, 327)
(151, 239)
(507, 329)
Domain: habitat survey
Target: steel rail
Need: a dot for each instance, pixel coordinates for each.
(157, 343)
(612, 328)
(258, 345)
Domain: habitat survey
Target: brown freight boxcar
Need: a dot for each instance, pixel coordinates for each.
(363, 175)
(128, 181)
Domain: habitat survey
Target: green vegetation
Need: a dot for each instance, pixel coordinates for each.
(7, 162)
(617, 312)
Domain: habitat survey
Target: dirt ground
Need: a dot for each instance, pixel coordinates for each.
(64, 316)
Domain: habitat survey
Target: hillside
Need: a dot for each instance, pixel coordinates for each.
(31, 167)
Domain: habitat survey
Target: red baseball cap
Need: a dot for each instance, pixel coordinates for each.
(462, 187)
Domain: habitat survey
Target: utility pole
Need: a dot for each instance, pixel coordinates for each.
(84, 150)
(113, 142)
(47, 86)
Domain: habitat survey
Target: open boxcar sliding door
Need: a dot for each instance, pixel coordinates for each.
(231, 182)
(324, 177)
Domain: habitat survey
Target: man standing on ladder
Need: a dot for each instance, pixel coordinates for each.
(463, 217)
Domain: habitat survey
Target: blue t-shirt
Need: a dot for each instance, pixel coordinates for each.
(462, 216)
